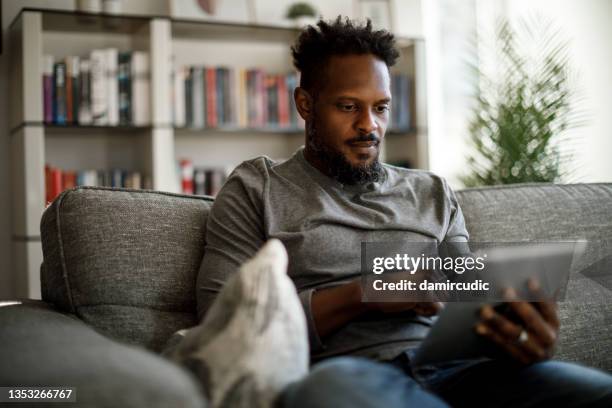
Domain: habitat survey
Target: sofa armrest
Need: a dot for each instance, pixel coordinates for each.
(40, 346)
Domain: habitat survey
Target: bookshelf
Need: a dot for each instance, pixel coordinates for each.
(154, 149)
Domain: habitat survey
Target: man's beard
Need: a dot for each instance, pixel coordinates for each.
(336, 166)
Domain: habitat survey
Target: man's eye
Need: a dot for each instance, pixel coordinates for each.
(382, 108)
(347, 107)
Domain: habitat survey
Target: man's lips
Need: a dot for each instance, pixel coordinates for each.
(365, 144)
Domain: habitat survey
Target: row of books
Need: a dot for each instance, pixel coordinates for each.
(201, 180)
(111, 88)
(215, 97)
(400, 102)
(58, 180)
(107, 88)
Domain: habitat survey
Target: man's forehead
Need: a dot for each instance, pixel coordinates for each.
(354, 74)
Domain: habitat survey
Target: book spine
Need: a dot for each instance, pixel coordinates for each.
(293, 114)
(117, 178)
(234, 76)
(141, 100)
(85, 117)
(99, 89)
(112, 59)
(179, 97)
(56, 183)
(220, 96)
(199, 181)
(211, 97)
(68, 91)
(125, 88)
(136, 180)
(60, 93)
(272, 105)
(197, 91)
(48, 97)
(75, 63)
(189, 97)
(48, 197)
(227, 96)
(283, 102)
(187, 176)
(68, 180)
(263, 95)
(250, 97)
(243, 121)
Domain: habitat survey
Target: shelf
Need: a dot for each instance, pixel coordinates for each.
(76, 21)
(399, 132)
(53, 129)
(213, 30)
(238, 131)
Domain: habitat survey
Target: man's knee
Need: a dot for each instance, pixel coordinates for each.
(574, 384)
(357, 382)
(345, 375)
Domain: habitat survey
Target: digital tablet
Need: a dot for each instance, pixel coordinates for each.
(453, 337)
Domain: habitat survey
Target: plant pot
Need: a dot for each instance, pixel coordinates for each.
(303, 21)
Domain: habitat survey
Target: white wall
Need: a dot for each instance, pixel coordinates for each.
(449, 26)
(586, 23)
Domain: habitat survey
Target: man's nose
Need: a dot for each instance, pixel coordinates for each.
(366, 122)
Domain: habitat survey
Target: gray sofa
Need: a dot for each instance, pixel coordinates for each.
(119, 275)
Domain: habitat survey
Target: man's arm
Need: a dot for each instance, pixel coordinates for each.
(234, 233)
(335, 307)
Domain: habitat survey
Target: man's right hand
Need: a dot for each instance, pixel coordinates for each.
(334, 307)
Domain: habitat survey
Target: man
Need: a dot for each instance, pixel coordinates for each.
(334, 194)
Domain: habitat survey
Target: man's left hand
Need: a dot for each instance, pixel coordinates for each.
(528, 341)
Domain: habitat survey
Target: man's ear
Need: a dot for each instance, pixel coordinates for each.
(303, 102)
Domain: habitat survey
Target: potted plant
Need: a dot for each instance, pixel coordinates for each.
(519, 124)
(302, 14)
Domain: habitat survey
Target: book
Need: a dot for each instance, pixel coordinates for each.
(53, 183)
(72, 89)
(48, 97)
(124, 78)
(112, 60)
(283, 102)
(186, 176)
(197, 92)
(84, 114)
(199, 181)
(239, 98)
(141, 99)
(178, 116)
(59, 79)
(189, 97)
(99, 88)
(272, 101)
(211, 97)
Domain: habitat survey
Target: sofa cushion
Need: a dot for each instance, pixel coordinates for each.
(125, 261)
(528, 212)
(41, 347)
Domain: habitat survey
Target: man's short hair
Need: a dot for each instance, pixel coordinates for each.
(316, 44)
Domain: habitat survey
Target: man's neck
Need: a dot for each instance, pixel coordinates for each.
(315, 161)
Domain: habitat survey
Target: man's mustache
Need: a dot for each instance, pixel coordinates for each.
(365, 138)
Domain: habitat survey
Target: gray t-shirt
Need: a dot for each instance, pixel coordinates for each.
(322, 223)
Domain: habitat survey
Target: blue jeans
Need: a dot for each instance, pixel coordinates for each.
(355, 382)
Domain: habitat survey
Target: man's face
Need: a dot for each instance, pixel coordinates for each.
(349, 118)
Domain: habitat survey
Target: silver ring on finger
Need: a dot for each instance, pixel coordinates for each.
(523, 337)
